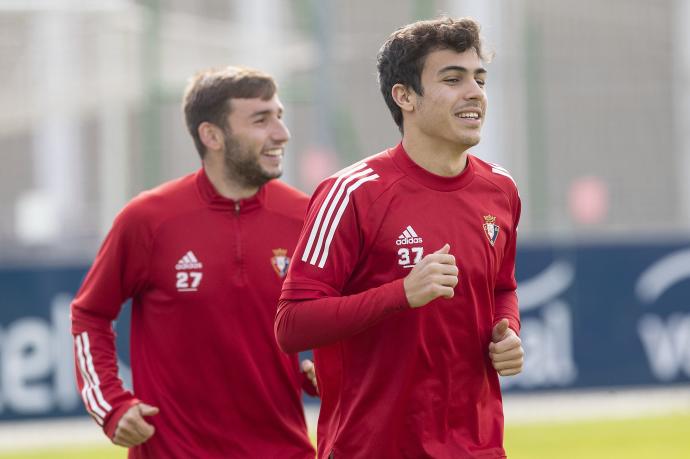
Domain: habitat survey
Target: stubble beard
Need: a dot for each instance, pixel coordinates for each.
(470, 140)
(438, 129)
(242, 167)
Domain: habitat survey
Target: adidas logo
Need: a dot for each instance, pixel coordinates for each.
(408, 236)
(189, 261)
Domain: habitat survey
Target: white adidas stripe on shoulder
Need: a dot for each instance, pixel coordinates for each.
(496, 169)
(91, 393)
(328, 218)
(341, 210)
(326, 202)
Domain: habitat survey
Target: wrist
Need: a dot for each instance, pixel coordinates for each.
(406, 300)
(110, 424)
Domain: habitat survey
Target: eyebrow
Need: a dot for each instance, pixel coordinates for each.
(265, 112)
(459, 68)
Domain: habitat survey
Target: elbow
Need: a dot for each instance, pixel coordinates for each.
(286, 346)
(283, 341)
(282, 333)
(83, 318)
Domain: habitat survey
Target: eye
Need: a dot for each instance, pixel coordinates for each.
(451, 80)
(260, 121)
(480, 82)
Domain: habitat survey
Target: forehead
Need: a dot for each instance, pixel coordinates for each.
(248, 107)
(436, 61)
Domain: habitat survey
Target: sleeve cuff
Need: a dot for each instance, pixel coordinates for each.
(398, 287)
(110, 425)
(513, 324)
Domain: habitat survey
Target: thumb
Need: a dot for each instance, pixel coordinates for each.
(499, 331)
(444, 249)
(307, 365)
(148, 410)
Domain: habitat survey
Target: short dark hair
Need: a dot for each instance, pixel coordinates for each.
(209, 94)
(401, 58)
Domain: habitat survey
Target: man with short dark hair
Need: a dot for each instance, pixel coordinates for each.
(403, 277)
(203, 258)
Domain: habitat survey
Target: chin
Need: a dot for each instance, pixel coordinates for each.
(470, 141)
(270, 175)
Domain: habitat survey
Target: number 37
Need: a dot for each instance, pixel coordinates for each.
(404, 256)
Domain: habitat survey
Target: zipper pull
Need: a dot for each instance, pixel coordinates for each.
(237, 207)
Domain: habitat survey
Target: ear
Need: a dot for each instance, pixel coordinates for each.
(211, 136)
(404, 97)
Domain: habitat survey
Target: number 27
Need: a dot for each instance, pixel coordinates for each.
(183, 280)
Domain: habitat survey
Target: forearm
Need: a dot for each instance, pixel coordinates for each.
(96, 368)
(507, 307)
(311, 322)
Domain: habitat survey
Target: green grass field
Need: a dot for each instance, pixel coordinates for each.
(644, 438)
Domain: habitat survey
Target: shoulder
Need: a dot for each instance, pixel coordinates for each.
(366, 179)
(495, 175)
(281, 198)
(150, 207)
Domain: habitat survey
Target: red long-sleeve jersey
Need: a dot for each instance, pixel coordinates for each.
(204, 274)
(398, 382)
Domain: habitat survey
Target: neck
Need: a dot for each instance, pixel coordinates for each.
(438, 157)
(223, 182)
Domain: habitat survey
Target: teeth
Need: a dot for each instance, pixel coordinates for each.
(469, 115)
(274, 152)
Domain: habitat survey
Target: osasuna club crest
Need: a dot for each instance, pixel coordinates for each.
(280, 261)
(491, 228)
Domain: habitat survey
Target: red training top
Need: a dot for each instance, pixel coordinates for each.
(395, 381)
(204, 274)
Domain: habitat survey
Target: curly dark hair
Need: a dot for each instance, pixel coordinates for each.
(401, 58)
(209, 94)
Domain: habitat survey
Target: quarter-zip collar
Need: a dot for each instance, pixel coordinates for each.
(208, 194)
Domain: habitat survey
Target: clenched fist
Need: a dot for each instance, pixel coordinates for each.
(436, 275)
(132, 429)
(505, 350)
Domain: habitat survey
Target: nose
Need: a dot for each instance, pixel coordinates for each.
(281, 134)
(474, 91)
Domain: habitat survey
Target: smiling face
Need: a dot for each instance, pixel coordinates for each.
(255, 138)
(452, 107)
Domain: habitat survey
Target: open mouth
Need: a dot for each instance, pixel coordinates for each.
(469, 115)
(273, 152)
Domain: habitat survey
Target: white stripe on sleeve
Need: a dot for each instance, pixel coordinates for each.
(338, 216)
(94, 375)
(86, 392)
(497, 169)
(328, 220)
(325, 205)
(504, 173)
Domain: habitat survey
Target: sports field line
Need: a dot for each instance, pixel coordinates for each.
(588, 405)
(519, 409)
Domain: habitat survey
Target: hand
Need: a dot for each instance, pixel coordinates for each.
(309, 369)
(505, 350)
(434, 276)
(132, 429)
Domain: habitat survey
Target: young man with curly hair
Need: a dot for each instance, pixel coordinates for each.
(403, 277)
